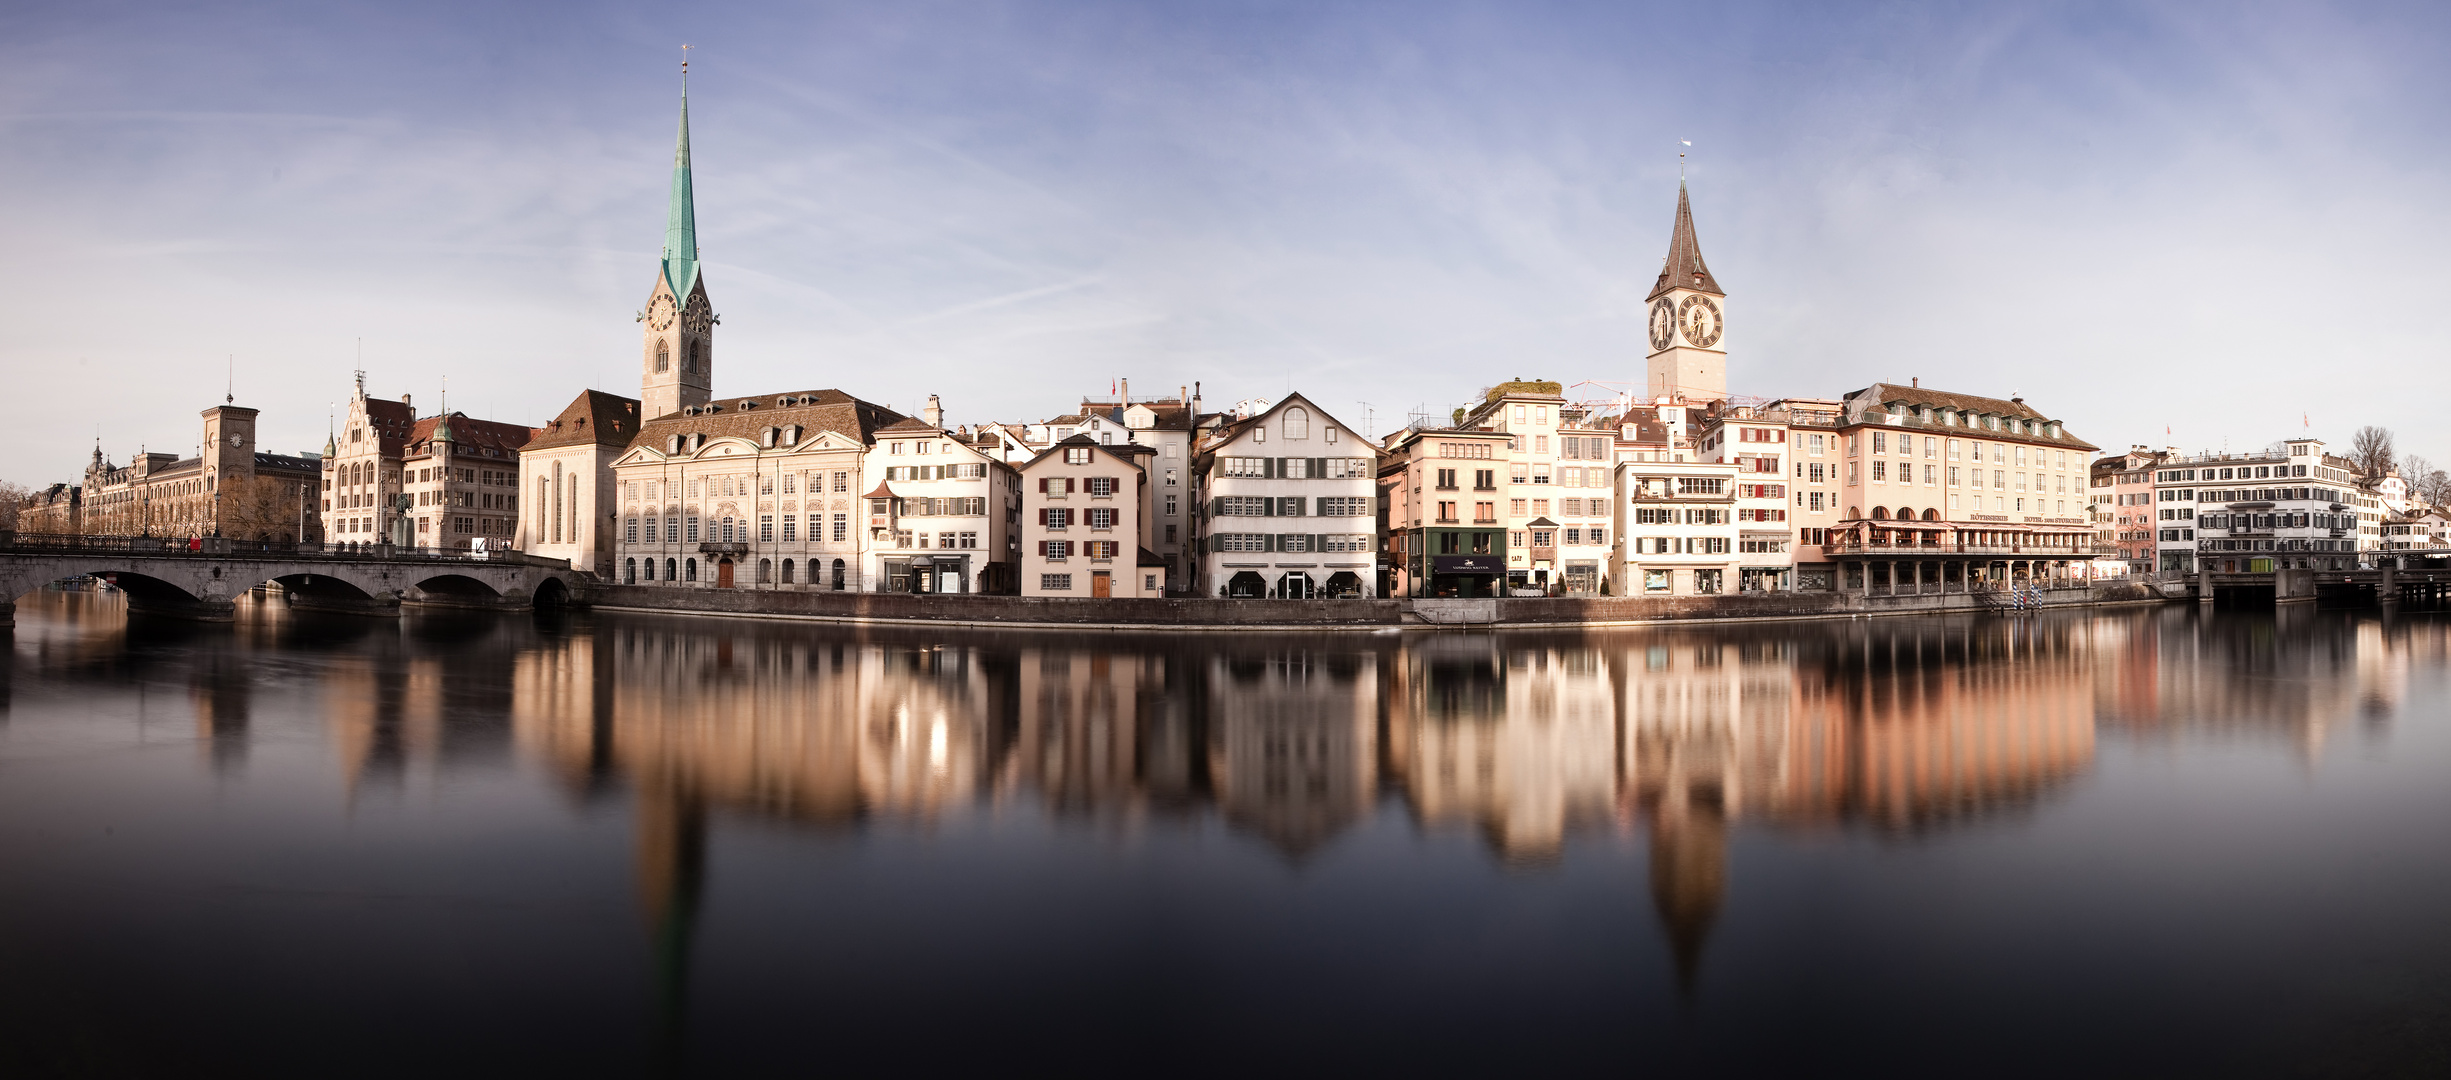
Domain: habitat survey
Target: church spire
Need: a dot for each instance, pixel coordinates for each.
(681, 222)
(1684, 268)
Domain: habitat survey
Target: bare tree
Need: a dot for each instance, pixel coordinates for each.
(2425, 482)
(2372, 451)
(12, 500)
(265, 508)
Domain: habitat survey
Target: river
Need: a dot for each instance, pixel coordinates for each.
(2129, 842)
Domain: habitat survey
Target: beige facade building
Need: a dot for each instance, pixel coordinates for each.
(228, 489)
(1085, 520)
(438, 482)
(944, 513)
(1948, 490)
(748, 491)
(566, 474)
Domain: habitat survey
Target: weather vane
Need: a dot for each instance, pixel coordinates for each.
(685, 60)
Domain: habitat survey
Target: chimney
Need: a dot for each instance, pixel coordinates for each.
(1915, 381)
(1123, 391)
(412, 408)
(1195, 398)
(934, 414)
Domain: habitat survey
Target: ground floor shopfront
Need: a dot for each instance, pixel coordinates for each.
(1887, 576)
(1460, 563)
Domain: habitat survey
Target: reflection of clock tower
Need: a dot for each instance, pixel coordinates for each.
(1689, 356)
(679, 358)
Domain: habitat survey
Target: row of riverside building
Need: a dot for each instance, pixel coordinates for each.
(1678, 489)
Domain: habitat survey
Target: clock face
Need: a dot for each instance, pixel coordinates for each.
(1663, 323)
(698, 319)
(1701, 317)
(659, 313)
(237, 440)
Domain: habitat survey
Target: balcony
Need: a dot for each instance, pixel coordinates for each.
(1909, 551)
(723, 547)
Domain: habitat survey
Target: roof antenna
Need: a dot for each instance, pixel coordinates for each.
(229, 381)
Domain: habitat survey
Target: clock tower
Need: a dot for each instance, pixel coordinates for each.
(677, 362)
(1687, 321)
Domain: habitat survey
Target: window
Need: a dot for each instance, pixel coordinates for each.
(1055, 517)
(1101, 485)
(1055, 582)
(1242, 542)
(693, 531)
(790, 532)
(1241, 506)
(1244, 467)
(1076, 455)
(1296, 542)
(1347, 468)
(1347, 507)
(1297, 424)
(1055, 549)
(1102, 517)
(1345, 543)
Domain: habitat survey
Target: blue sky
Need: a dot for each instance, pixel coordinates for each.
(2211, 218)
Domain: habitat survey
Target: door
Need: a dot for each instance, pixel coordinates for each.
(723, 574)
(1101, 584)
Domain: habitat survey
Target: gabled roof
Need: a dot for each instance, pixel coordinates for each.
(1229, 432)
(813, 410)
(471, 436)
(1116, 452)
(1684, 268)
(594, 417)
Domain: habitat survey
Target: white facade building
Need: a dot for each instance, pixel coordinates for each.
(1287, 505)
(1676, 523)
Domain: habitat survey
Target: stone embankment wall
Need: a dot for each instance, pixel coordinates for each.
(1212, 614)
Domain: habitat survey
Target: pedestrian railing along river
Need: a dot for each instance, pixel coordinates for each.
(225, 547)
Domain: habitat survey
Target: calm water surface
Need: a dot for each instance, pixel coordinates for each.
(2143, 842)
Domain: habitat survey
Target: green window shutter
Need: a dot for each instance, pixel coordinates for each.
(1273, 544)
(1268, 468)
(1319, 542)
(1271, 506)
(1319, 467)
(1323, 506)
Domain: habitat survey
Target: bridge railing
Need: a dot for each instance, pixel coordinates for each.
(224, 547)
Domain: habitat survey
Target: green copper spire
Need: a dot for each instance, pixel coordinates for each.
(681, 225)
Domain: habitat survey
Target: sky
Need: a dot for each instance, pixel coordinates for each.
(2201, 225)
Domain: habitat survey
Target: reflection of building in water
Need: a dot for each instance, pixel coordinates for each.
(1293, 741)
(2296, 673)
(1521, 742)
(219, 685)
(1096, 732)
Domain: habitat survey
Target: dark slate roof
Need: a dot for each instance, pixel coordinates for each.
(1150, 558)
(593, 417)
(1684, 268)
(473, 437)
(1914, 396)
(391, 421)
(813, 410)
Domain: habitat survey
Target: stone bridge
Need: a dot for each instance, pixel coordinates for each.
(201, 579)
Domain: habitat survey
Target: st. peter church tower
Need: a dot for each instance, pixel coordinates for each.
(1689, 351)
(677, 363)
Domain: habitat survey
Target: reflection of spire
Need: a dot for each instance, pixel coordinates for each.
(671, 873)
(1689, 872)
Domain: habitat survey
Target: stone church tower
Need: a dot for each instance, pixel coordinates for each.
(1689, 351)
(678, 359)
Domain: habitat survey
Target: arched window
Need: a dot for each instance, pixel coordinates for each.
(1931, 515)
(697, 360)
(663, 357)
(1297, 423)
(765, 571)
(668, 570)
(787, 571)
(1880, 513)
(689, 570)
(1854, 514)
(629, 571)
(838, 575)
(650, 568)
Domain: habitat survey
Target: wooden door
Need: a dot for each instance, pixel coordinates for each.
(1101, 584)
(723, 574)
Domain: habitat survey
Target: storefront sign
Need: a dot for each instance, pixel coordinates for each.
(1465, 564)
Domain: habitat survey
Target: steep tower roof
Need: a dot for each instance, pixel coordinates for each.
(681, 221)
(1684, 268)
